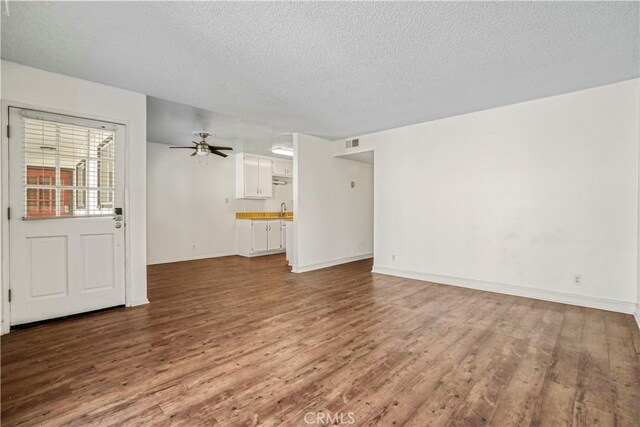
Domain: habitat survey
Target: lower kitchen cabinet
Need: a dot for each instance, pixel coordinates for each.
(260, 237)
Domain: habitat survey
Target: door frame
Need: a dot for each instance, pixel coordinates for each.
(5, 255)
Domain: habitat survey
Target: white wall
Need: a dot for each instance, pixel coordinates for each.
(637, 314)
(517, 199)
(26, 86)
(191, 201)
(333, 222)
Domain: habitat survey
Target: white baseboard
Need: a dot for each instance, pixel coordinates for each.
(521, 291)
(637, 316)
(257, 254)
(190, 258)
(137, 302)
(318, 266)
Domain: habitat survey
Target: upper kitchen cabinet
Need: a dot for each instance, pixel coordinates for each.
(283, 168)
(253, 177)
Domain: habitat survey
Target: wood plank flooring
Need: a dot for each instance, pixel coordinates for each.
(242, 342)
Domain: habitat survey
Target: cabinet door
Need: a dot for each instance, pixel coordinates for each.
(259, 232)
(288, 168)
(280, 167)
(283, 234)
(251, 177)
(266, 187)
(274, 235)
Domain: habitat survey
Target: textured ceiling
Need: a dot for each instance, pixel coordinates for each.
(327, 68)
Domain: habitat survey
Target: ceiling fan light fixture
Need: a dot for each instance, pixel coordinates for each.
(202, 151)
(202, 148)
(282, 151)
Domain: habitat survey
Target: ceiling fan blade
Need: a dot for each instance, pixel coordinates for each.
(218, 153)
(190, 148)
(195, 142)
(217, 147)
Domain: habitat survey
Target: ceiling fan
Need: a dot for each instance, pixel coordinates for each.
(204, 149)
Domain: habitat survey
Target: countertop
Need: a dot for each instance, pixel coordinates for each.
(264, 216)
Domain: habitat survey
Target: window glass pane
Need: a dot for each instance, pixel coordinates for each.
(41, 203)
(69, 169)
(66, 203)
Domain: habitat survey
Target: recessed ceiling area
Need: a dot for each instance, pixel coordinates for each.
(173, 123)
(363, 156)
(331, 69)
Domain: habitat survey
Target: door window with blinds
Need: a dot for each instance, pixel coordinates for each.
(69, 167)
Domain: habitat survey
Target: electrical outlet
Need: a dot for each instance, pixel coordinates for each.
(393, 257)
(193, 246)
(577, 280)
(226, 200)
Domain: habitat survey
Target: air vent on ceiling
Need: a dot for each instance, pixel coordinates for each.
(352, 143)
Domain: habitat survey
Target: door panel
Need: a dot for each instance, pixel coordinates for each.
(97, 261)
(283, 234)
(259, 232)
(251, 177)
(279, 167)
(274, 235)
(66, 176)
(266, 187)
(47, 260)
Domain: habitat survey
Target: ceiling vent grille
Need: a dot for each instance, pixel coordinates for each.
(352, 143)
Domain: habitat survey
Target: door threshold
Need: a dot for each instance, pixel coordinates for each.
(61, 318)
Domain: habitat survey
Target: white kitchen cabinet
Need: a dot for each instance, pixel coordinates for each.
(265, 180)
(274, 239)
(283, 235)
(260, 237)
(283, 168)
(288, 234)
(251, 168)
(253, 177)
(279, 167)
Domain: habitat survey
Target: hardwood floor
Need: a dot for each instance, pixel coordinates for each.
(237, 341)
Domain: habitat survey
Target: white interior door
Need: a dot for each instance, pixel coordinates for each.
(66, 183)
